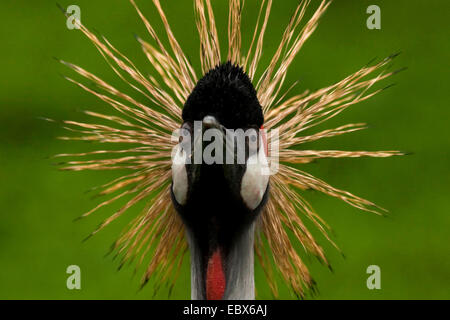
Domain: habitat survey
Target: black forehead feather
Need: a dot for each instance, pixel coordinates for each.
(227, 93)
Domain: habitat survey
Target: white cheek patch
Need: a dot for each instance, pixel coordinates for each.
(255, 179)
(179, 176)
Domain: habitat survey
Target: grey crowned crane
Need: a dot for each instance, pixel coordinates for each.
(225, 214)
(220, 202)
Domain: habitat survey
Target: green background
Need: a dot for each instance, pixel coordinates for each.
(38, 238)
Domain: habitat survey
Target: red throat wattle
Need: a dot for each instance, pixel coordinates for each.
(215, 277)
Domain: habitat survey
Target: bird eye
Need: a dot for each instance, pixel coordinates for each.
(252, 142)
(185, 132)
(187, 126)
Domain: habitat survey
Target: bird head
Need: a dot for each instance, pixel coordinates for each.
(219, 185)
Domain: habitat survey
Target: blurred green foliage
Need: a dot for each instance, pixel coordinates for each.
(38, 238)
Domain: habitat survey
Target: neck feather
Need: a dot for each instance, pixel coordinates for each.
(240, 278)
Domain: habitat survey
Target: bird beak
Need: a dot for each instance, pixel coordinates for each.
(210, 122)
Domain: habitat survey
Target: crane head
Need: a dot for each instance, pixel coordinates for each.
(219, 185)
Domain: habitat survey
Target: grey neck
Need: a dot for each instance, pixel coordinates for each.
(240, 278)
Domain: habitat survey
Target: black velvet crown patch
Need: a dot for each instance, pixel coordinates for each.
(227, 93)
